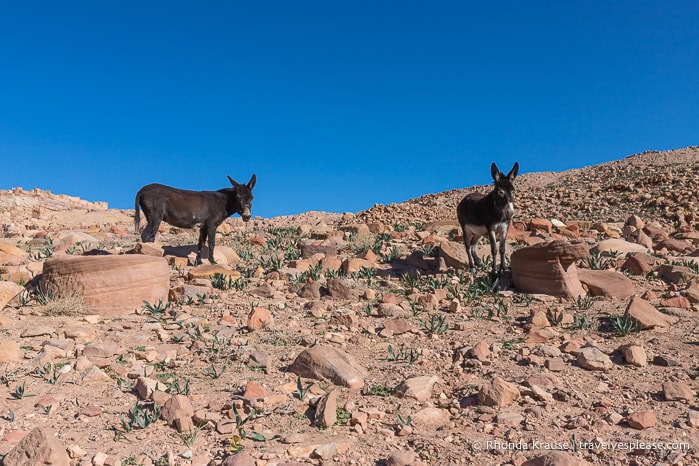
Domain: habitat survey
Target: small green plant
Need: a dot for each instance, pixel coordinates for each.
(694, 266)
(240, 421)
(554, 317)
(403, 355)
(140, 416)
(201, 297)
(415, 308)
(405, 421)
(45, 252)
(480, 288)
(240, 284)
(368, 309)
(502, 310)
(392, 254)
(343, 416)
(365, 272)
(583, 302)
(582, 322)
(186, 301)
(178, 388)
(301, 392)
(270, 264)
(221, 282)
(435, 325)
(379, 390)
(428, 250)
(49, 372)
(213, 372)
(42, 296)
(410, 281)
(189, 438)
(10, 416)
(509, 345)
(24, 298)
(21, 392)
(522, 299)
(601, 260)
(625, 325)
(156, 310)
(45, 409)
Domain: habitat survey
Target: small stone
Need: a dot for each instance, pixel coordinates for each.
(326, 411)
(595, 360)
(419, 388)
(642, 420)
(239, 459)
(635, 355)
(481, 351)
(678, 391)
(555, 364)
(434, 417)
(254, 390)
(99, 459)
(509, 419)
(498, 393)
(259, 318)
(401, 458)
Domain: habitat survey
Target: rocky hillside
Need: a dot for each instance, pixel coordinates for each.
(360, 339)
(654, 185)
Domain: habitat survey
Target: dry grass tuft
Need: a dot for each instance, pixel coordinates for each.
(66, 305)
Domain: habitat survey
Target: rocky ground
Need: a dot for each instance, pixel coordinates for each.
(360, 338)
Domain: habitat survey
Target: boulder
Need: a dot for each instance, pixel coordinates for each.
(621, 246)
(608, 283)
(647, 315)
(549, 268)
(109, 285)
(326, 362)
(8, 290)
(39, 447)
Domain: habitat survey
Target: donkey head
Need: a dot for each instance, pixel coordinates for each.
(504, 187)
(243, 196)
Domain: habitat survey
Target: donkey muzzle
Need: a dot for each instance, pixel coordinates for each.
(246, 215)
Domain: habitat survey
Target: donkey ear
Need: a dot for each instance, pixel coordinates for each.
(253, 180)
(495, 172)
(513, 173)
(233, 182)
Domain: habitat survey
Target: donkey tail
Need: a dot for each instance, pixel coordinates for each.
(137, 216)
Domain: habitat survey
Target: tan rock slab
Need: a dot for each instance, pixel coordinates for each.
(112, 285)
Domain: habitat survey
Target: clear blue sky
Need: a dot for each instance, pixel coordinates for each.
(335, 105)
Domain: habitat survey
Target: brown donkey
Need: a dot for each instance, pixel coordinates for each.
(185, 209)
(481, 214)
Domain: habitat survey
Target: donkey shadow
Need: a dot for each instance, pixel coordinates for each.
(185, 250)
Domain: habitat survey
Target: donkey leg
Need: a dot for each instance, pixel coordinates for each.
(474, 242)
(467, 243)
(212, 240)
(502, 249)
(493, 248)
(149, 232)
(200, 244)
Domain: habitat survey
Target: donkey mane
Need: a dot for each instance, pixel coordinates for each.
(488, 214)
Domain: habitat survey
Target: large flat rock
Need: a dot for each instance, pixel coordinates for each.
(549, 268)
(110, 285)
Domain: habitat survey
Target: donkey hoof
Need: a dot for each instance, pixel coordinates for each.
(213, 262)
